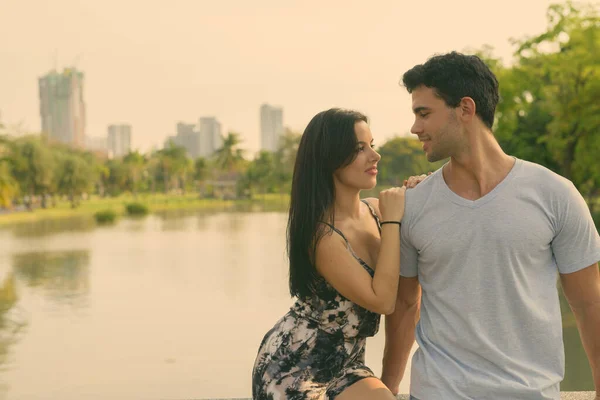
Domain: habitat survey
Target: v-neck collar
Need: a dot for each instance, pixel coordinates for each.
(461, 201)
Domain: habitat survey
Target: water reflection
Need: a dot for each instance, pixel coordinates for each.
(172, 292)
(11, 323)
(50, 227)
(62, 276)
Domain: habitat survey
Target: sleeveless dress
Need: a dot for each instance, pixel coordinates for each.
(318, 348)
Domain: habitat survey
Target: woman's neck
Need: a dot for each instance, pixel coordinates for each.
(347, 203)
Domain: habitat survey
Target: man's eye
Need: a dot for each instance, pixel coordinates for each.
(423, 115)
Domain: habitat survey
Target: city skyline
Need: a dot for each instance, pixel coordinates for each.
(199, 140)
(206, 58)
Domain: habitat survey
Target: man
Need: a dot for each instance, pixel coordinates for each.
(483, 241)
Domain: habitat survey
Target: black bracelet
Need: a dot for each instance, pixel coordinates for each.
(390, 222)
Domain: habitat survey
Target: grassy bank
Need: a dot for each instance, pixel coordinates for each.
(154, 202)
(162, 203)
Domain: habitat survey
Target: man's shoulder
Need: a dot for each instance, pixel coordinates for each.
(542, 178)
(423, 189)
(422, 195)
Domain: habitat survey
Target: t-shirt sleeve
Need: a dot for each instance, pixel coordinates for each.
(408, 253)
(576, 244)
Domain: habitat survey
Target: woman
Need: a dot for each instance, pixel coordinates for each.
(344, 268)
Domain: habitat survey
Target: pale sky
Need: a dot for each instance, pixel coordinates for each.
(152, 64)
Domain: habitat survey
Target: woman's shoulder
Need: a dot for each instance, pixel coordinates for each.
(374, 203)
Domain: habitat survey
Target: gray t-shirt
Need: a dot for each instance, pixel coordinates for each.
(490, 324)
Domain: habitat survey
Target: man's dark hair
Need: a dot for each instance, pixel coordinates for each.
(454, 76)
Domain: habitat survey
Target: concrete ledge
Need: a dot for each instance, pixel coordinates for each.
(563, 396)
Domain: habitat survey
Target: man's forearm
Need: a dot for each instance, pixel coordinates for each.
(588, 322)
(399, 339)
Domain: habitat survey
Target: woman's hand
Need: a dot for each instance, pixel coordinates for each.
(391, 203)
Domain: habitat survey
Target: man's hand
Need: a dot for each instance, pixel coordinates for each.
(415, 180)
(394, 388)
(400, 332)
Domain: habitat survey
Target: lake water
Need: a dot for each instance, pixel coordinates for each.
(171, 306)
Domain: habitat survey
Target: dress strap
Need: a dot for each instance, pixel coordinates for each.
(373, 213)
(344, 237)
(337, 231)
(348, 246)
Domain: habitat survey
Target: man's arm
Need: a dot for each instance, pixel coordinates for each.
(400, 332)
(582, 290)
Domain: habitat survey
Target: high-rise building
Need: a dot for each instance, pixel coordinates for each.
(210, 136)
(189, 138)
(271, 127)
(96, 143)
(119, 140)
(62, 108)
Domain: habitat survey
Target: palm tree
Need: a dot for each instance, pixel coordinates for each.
(229, 156)
(173, 166)
(135, 163)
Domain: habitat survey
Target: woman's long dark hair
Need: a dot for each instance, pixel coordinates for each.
(329, 142)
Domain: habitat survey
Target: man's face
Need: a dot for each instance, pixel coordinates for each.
(436, 125)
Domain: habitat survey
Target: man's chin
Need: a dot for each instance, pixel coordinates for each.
(432, 157)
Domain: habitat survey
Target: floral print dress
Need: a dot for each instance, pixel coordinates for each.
(318, 348)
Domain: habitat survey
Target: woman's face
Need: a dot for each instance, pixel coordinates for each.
(362, 172)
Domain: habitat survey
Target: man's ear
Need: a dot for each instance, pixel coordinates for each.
(467, 109)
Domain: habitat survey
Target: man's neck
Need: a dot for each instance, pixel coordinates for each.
(478, 168)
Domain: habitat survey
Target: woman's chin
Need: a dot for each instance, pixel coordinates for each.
(372, 184)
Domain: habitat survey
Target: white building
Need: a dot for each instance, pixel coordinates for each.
(188, 138)
(271, 127)
(119, 140)
(210, 136)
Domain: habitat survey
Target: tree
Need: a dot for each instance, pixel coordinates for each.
(284, 160)
(260, 173)
(9, 187)
(135, 166)
(33, 167)
(171, 166)
(549, 111)
(200, 169)
(229, 156)
(117, 177)
(74, 179)
(402, 157)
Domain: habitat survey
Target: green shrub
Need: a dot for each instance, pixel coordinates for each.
(136, 209)
(105, 216)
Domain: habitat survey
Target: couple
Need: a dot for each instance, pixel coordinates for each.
(471, 272)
